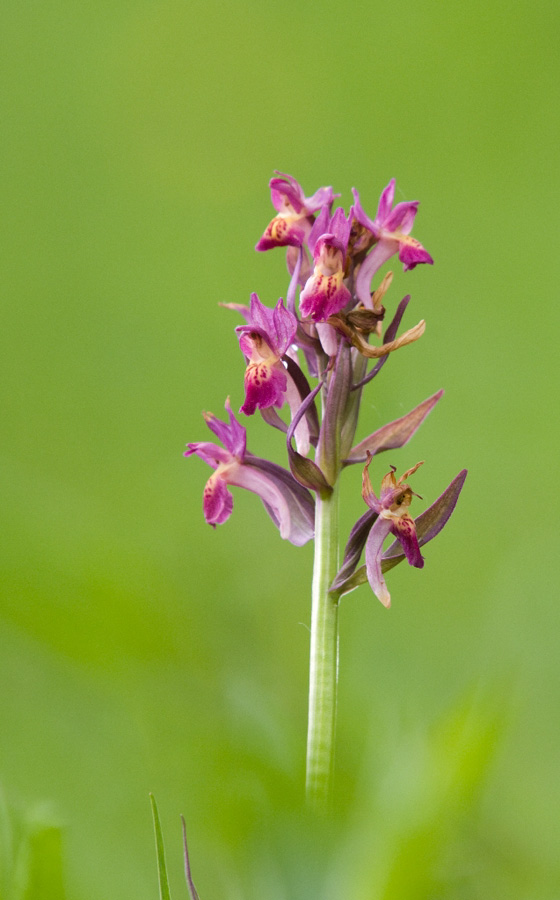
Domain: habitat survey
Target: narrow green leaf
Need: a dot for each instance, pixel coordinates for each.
(190, 885)
(164, 893)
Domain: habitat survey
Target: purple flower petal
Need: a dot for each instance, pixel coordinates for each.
(374, 548)
(217, 502)
(233, 435)
(323, 197)
(371, 264)
(285, 325)
(411, 253)
(320, 227)
(285, 189)
(358, 213)
(385, 202)
(340, 228)
(324, 296)
(265, 385)
(281, 232)
(292, 225)
(290, 506)
(401, 218)
(276, 326)
(210, 453)
(404, 530)
(328, 338)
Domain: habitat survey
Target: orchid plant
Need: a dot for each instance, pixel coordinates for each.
(311, 354)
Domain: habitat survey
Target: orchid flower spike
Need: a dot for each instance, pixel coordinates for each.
(393, 516)
(290, 506)
(294, 220)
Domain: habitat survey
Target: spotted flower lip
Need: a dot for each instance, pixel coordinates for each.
(294, 220)
(389, 233)
(290, 506)
(325, 293)
(263, 341)
(392, 517)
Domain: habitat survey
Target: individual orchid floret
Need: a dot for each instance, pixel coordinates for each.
(290, 506)
(264, 340)
(392, 516)
(389, 232)
(294, 220)
(325, 293)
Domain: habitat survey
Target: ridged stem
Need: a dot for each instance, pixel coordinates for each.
(323, 671)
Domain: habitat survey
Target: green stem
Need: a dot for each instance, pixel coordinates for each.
(323, 671)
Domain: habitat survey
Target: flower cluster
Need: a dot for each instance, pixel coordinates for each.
(316, 347)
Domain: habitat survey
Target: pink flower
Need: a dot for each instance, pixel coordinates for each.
(264, 340)
(325, 293)
(290, 506)
(294, 219)
(389, 233)
(392, 516)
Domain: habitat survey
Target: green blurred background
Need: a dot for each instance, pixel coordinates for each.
(142, 651)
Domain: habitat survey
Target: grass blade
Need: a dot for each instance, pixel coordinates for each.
(164, 893)
(190, 886)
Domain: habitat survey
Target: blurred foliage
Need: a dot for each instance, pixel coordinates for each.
(139, 649)
(31, 855)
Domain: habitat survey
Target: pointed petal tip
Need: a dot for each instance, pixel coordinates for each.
(459, 479)
(385, 599)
